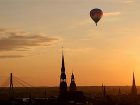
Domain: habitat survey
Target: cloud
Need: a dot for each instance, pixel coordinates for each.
(10, 56)
(13, 40)
(112, 13)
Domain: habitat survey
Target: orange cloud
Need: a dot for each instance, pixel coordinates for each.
(112, 13)
(14, 40)
(10, 56)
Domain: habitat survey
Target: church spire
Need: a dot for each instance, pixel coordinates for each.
(133, 89)
(63, 84)
(72, 84)
(63, 62)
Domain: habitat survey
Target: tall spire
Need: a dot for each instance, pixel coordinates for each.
(133, 89)
(133, 80)
(63, 84)
(63, 62)
(72, 77)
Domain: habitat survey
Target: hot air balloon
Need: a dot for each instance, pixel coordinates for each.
(96, 14)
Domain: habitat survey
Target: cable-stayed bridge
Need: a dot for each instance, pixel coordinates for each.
(14, 87)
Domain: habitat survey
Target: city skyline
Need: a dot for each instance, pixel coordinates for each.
(32, 33)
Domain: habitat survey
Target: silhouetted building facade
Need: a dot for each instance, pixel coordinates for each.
(133, 89)
(103, 91)
(71, 96)
(119, 92)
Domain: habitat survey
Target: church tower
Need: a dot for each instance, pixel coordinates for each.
(63, 84)
(72, 84)
(133, 89)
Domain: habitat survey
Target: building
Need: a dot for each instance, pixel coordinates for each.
(63, 83)
(72, 84)
(71, 96)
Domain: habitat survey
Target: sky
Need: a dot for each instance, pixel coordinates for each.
(32, 33)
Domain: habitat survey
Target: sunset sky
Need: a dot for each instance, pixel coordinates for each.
(32, 33)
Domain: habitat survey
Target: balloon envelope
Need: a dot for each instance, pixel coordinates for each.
(96, 14)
